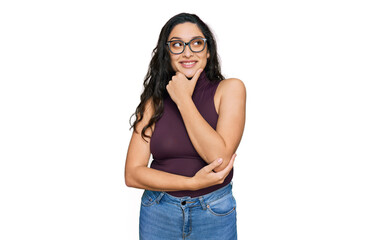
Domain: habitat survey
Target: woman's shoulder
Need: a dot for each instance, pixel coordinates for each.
(232, 90)
(231, 86)
(148, 111)
(232, 83)
(148, 108)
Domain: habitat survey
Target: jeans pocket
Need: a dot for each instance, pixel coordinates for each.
(223, 206)
(149, 198)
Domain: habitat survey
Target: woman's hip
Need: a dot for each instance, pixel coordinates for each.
(210, 216)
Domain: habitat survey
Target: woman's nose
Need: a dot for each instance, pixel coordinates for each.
(187, 51)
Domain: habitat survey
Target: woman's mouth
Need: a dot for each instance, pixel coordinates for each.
(188, 64)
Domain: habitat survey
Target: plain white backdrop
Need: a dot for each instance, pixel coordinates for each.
(71, 75)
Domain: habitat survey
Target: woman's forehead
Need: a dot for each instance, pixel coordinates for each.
(185, 31)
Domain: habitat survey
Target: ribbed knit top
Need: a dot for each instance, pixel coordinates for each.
(170, 145)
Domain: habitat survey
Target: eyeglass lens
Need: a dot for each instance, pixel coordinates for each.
(196, 45)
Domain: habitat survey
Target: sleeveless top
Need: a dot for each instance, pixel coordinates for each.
(170, 145)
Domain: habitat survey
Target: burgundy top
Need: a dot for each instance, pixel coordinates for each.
(170, 145)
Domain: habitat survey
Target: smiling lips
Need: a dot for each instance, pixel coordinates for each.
(188, 64)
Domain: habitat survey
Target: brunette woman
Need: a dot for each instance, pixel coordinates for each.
(191, 119)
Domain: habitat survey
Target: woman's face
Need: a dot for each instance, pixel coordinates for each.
(187, 62)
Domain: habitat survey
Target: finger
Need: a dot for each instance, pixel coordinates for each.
(179, 75)
(213, 165)
(197, 75)
(228, 168)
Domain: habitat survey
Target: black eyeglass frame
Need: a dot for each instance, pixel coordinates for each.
(185, 44)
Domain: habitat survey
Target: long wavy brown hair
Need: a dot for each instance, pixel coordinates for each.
(160, 70)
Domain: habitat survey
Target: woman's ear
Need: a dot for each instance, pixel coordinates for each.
(208, 54)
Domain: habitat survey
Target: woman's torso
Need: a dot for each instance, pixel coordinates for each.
(171, 148)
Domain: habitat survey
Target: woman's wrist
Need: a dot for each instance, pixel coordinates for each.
(192, 184)
(184, 103)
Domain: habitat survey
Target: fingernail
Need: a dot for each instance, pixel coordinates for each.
(220, 160)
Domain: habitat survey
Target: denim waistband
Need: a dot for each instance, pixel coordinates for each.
(187, 201)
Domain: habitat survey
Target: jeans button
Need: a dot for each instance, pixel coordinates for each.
(184, 203)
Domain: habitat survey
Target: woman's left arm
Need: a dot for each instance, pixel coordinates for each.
(209, 143)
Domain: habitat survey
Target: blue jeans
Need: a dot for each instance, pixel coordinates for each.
(211, 216)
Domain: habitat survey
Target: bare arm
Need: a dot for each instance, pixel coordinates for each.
(209, 143)
(138, 175)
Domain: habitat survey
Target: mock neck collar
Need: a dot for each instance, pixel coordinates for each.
(202, 81)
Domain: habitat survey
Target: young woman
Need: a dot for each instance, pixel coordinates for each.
(191, 120)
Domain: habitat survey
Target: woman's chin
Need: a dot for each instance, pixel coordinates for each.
(189, 74)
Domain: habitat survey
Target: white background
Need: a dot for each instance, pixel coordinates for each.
(71, 74)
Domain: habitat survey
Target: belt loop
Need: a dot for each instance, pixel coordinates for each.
(202, 203)
(159, 197)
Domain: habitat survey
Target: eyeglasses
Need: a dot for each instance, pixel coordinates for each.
(195, 45)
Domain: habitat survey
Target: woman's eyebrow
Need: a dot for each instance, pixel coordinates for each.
(181, 38)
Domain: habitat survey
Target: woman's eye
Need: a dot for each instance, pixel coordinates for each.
(177, 44)
(197, 42)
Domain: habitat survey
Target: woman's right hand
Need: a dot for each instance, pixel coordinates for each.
(206, 177)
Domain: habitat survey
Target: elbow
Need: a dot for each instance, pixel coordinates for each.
(132, 177)
(226, 159)
(217, 152)
(129, 182)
